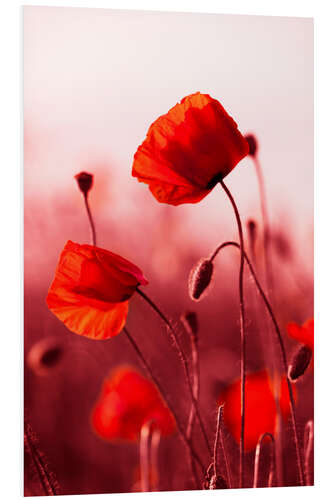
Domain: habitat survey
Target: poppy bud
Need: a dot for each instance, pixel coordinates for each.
(253, 144)
(299, 363)
(217, 483)
(190, 322)
(252, 228)
(212, 481)
(200, 278)
(44, 355)
(85, 182)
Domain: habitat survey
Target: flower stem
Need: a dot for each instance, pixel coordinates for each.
(257, 460)
(267, 232)
(219, 437)
(225, 457)
(175, 341)
(216, 442)
(182, 432)
(144, 456)
(308, 448)
(282, 349)
(269, 283)
(154, 446)
(242, 332)
(47, 482)
(91, 220)
(195, 373)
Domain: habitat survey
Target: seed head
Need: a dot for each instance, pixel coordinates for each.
(85, 182)
(253, 144)
(299, 363)
(200, 278)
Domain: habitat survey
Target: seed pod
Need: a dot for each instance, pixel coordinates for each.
(299, 363)
(200, 278)
(190, 322)
(85, 182)
(253, 144)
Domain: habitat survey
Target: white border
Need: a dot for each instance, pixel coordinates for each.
(12, 240)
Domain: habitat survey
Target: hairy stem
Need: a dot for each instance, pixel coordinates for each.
(144, 456)
(219, 437)
(154, 446)
(308, 448)
(182, 432)
(257, 460)
(91, 220)
(195, 373)
(267, 232)
(225, 457)
(175, 341)
(269, 282)
(46, 481)
(282, 349)
(242, 332)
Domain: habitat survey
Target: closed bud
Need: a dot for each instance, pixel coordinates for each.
(252, 228)
(85, 182)
(212, 481)
(190, 322)
(253, 144)
(299, 363)
(217, 483)
(200, 278)
(44, 355)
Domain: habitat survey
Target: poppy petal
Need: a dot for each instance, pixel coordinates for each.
(92, 322)
(188, 150)
(127, 401)
(303, 334)
(260, 407)
(91, 289)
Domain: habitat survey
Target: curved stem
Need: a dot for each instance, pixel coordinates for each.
(144, 456)
(269, 284)
(182, 356)
(195, 373)
(91, 220)
(195, 370)
(308, 446)
(182, 432)
(257, 460)
(267, 235)
(242, 332)
(219, 436)
(282, 348)
(154, 446)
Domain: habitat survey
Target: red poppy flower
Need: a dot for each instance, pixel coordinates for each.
(304, 334)
(188, 150)
(91, 289)
(127, 401)
(260, 407)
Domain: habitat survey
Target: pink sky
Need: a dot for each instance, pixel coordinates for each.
(95, 79)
